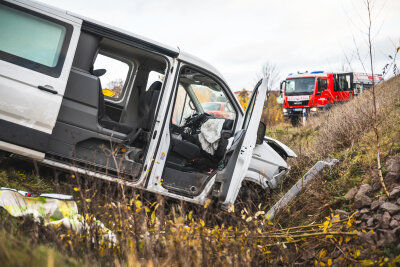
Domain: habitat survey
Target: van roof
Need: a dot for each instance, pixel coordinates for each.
(168, 50)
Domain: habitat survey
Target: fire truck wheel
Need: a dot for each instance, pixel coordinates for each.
(295, 120)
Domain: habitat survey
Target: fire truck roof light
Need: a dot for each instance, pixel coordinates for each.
(318, 71)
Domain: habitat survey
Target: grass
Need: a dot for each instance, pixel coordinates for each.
(153, 230)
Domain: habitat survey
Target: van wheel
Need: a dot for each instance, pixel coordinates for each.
(3, 155)
(250, 196)
(295, 121)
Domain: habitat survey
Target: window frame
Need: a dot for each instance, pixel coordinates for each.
(131, 66)
(32, 65)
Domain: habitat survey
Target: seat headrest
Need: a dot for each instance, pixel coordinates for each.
(156, 86)
(98, 72)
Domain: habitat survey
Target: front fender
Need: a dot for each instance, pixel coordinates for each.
(289, 153)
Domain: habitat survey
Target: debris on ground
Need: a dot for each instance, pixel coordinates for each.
(51, 209)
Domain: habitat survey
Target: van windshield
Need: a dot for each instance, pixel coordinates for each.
(300, 86)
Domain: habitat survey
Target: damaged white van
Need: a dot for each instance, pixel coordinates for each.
(88, 98)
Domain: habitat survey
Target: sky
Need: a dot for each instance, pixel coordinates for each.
(239, 37)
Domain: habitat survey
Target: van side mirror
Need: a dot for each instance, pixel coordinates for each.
(261, 133)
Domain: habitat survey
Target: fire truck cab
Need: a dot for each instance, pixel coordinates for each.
(310, 93)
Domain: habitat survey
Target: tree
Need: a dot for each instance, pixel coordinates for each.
(116, 86)
(271, 74)
(243, 98)
(272, 113)
(374, 114)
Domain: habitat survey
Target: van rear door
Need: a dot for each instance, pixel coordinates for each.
(37, 46)
(229, 180)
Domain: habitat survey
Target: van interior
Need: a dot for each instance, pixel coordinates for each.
(193, 157)
(109, 106)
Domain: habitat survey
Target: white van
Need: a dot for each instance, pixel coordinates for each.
(88, 98)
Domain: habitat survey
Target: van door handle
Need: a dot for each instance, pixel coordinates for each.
(48, 88)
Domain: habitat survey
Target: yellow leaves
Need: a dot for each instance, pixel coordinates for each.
(327, 224)
(329, 263)
(268, 220)
(322, 254)
(367, 262)
(208, 202)
(350, 222)
(202, 223)
(76, 189)
(289, 239)
(348, 238)
(357, 254)
(190, 215)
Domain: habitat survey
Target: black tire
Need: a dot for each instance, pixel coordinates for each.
(295, 121)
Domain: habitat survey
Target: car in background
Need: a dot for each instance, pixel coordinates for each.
(219, 109)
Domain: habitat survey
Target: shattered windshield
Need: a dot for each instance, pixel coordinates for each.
(300, 86)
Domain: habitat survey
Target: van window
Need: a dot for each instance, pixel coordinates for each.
(33, 41)
(207, 95)
(213, 99)
(113, 82)
(183, 107)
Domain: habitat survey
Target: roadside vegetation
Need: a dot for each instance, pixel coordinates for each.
(320, 227)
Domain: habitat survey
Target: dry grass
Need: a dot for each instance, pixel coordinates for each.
(344, 124)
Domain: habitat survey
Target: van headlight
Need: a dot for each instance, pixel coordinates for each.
(314, 109)
(284, 110)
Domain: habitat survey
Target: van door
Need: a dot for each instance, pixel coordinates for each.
(229, 180)
(37, 47)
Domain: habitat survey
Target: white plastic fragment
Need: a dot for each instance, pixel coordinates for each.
(300, 185)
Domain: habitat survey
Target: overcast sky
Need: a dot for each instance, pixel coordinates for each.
(238, 37)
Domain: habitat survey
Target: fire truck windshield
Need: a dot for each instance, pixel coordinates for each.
(300, 86)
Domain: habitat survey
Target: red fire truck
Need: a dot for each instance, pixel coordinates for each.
(309, 93)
